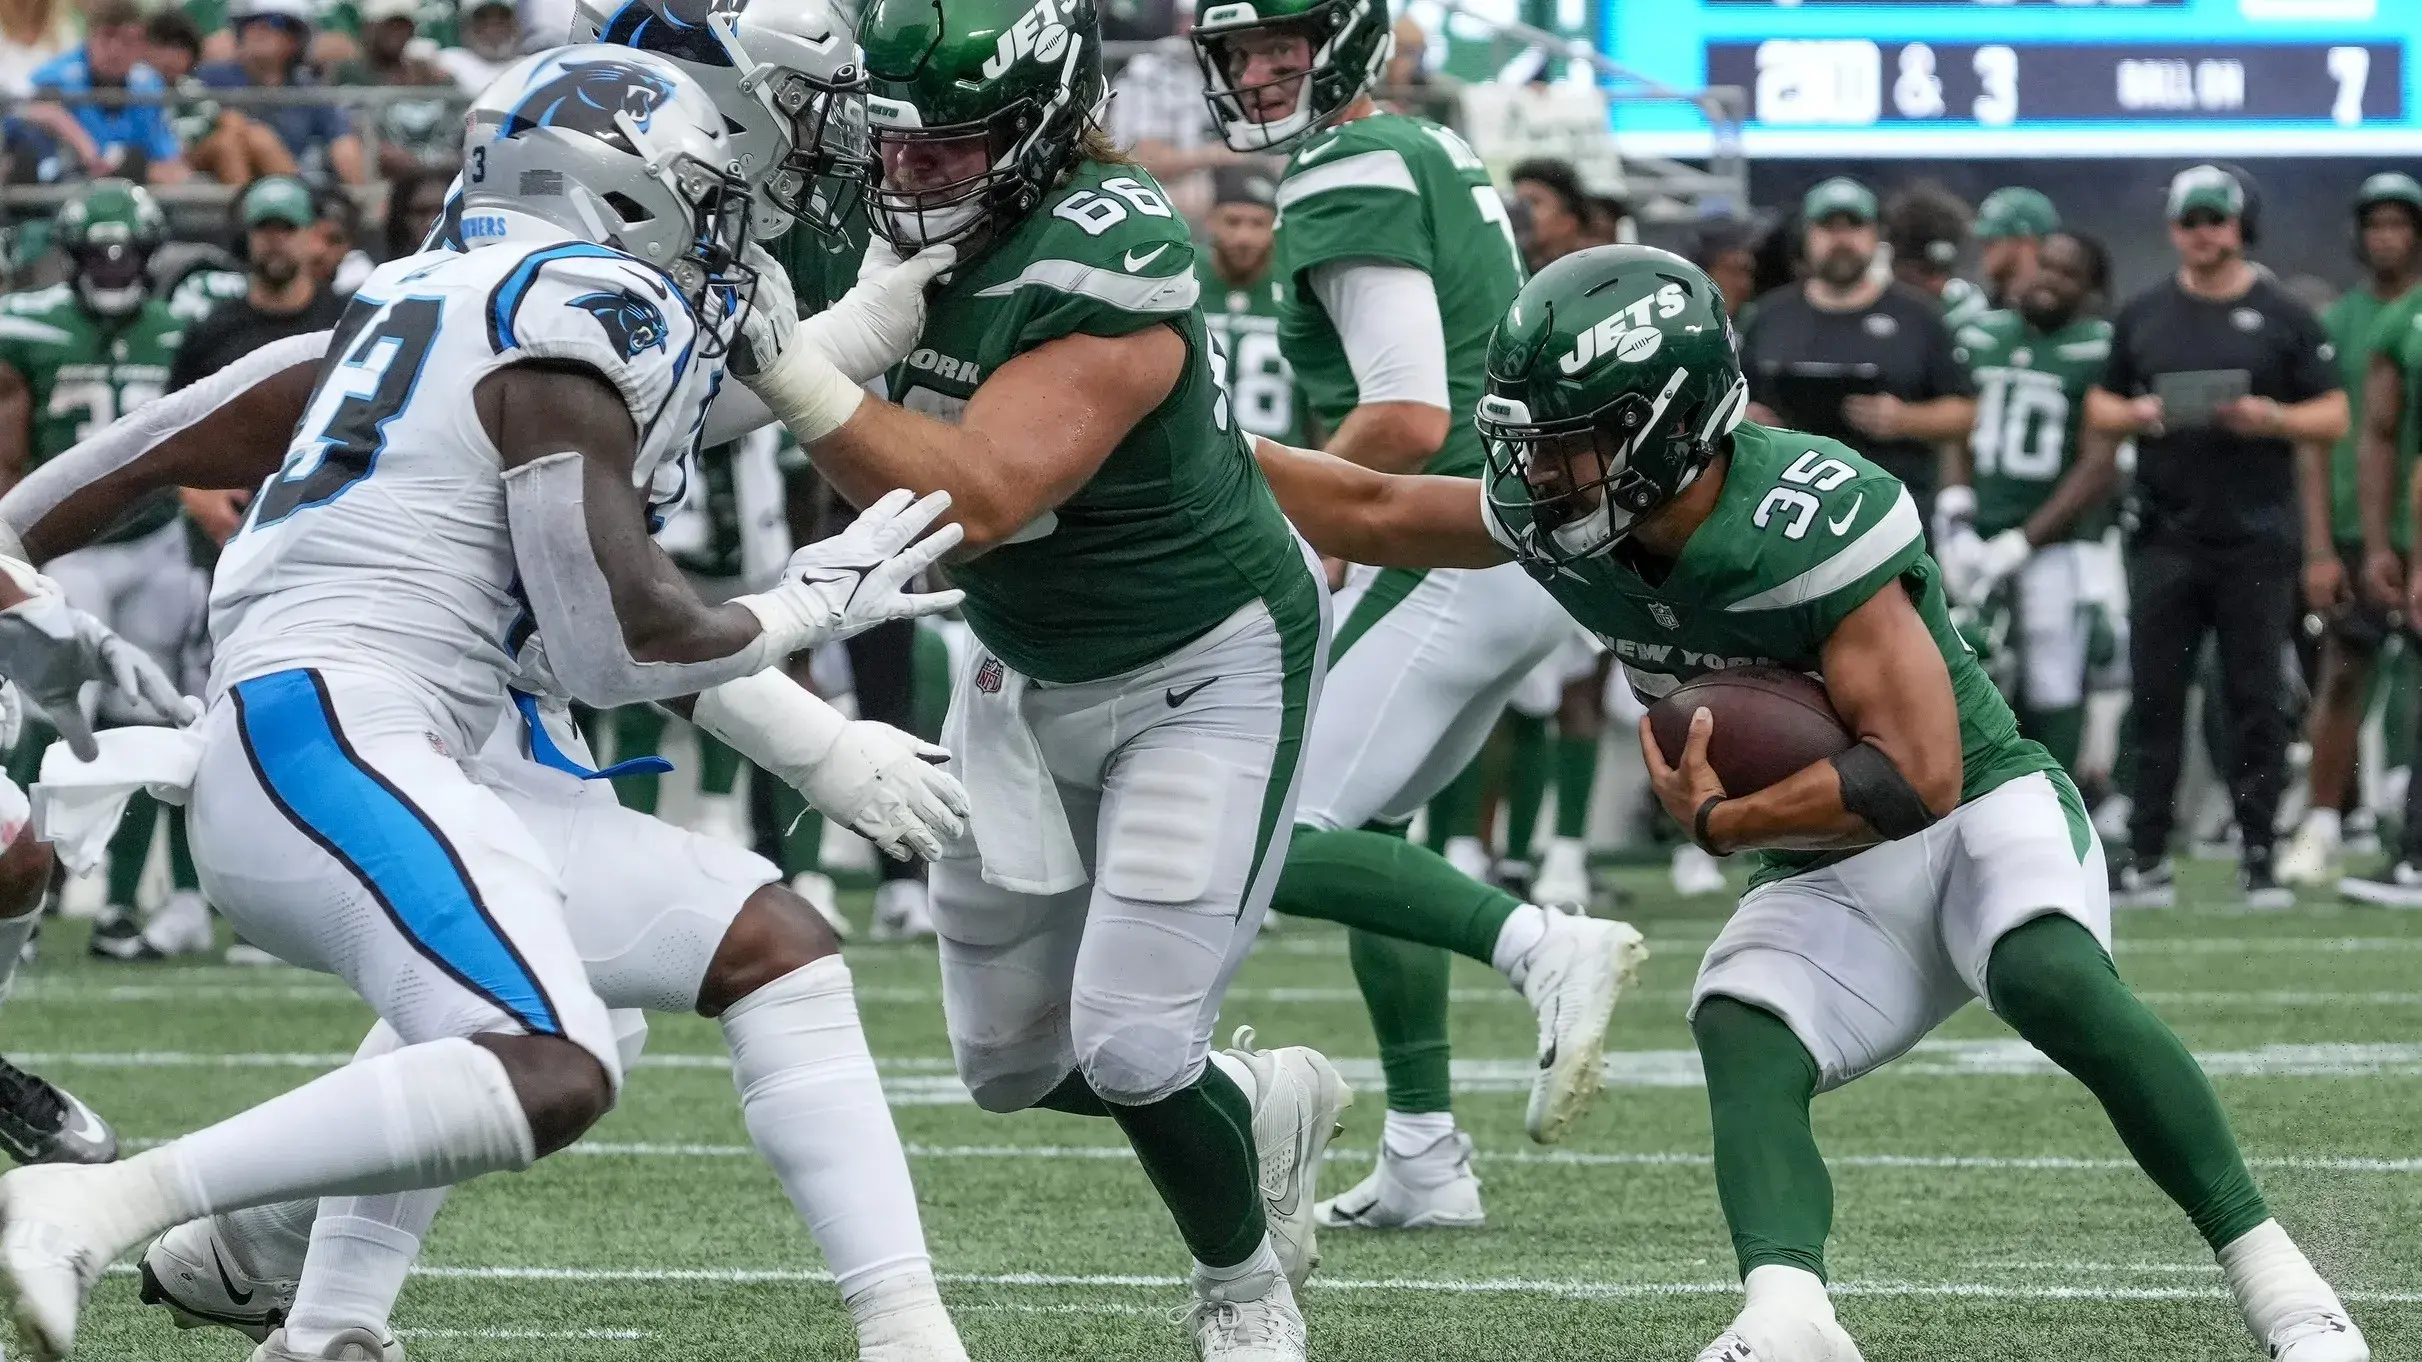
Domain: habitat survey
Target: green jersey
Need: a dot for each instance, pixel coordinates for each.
(2030, 407)
(85, 372)
(823, 268)
(2351, 323)
(2396, 335)
(1804, 532)
(1963, 302)
(1176, 530)
(1261, 384)
(1395, 190)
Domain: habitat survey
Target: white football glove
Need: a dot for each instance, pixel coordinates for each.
(771, 323)
(859, 578)
(49, 649)
(1954, 511)
(875, 325)
(1997, 558)
(1960, 554)
(883, 784)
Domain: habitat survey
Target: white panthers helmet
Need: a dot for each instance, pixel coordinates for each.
(612, 146)
(786, 73)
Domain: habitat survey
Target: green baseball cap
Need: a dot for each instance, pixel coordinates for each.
(1840, 196)
(2205, 187)
(2389, 186)
(2016, 210)
(279, 198)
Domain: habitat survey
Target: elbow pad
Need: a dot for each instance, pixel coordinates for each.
(547, 512)
(1875, 790)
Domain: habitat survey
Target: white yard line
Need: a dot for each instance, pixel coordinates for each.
(532, 1335)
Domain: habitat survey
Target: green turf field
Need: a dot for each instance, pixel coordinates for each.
(1985, 1210)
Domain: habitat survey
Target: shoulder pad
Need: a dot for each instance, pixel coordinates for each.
(597, 307)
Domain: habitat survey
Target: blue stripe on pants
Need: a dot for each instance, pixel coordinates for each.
(357, 816)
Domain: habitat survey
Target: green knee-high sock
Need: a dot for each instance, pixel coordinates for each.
(638, 732)
(1526, 782)
(130, 846)
(801, 829)
(2061, 731)
(1404, 986)
(2052, 983)
(1197, 1147)
(1576, 776)
(718, 766)
(1385, 885)
(181, 874)
(1776, 1194)
(1455, 810)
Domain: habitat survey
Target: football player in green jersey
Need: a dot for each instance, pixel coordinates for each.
(1240, 303)
(1395, 257)
(1941, 858)
(2026, 511)
(73, 358)
(1149, 633)
(2388, 240)
(2011, 225)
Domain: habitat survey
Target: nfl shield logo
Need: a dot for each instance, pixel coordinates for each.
(1664, 614)
(988, 676)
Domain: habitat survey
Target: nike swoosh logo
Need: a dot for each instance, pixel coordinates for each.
(1135, 262)
(1838, 526)
(227, 1282)
(1178, 697)
(1311, 154)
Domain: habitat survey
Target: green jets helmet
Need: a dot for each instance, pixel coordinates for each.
(109, 232)
(2389, 186)
(1612, 382)
(1291, 93)
(976, 108)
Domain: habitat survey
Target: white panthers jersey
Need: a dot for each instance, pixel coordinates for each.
(382, 542)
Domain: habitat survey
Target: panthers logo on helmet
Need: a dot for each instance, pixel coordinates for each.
(674, 28)
(585, 96)
(631, 322)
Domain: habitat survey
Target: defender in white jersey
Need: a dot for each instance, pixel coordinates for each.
(336, 817)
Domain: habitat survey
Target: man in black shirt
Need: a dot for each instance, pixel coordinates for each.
(1849, 354)
(2231, 493)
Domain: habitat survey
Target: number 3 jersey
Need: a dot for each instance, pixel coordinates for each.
(1804, 532)
(84, 372)
(382, 542)
(2030, 405)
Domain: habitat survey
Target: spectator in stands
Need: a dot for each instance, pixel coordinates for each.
(413, 206)
(341, 262)
(219, 142)
(172, 45)
(1728, 251)
(130, 140)
(491, 41)
(1559, 218)
(32, 32)
(1928, 228)
(1158, 116)
(271, 38)
(412, 133)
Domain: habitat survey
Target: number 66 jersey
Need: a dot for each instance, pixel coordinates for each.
(382, 543)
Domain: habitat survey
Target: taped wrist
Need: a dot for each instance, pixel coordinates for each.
(773, 721)
(807, 392)
(1875, 790)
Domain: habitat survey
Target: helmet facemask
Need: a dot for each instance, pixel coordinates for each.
(1325, 28)
(960, 211)
(112, 277)
(1572, 489)
(826, 170)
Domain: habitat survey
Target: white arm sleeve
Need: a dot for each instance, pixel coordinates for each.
(1387, 317)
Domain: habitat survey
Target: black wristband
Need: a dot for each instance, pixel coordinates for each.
(1698, 824)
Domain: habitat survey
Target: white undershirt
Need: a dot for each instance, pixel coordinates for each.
(1387, 317)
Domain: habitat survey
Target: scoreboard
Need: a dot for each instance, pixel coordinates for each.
(1970, 78)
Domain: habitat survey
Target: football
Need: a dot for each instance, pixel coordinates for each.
(1770, 722)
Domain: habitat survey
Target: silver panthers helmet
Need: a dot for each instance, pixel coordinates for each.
(614, 147)
(789, 78)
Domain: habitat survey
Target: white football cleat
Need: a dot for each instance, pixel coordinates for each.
(2318, 1336)
(191, 1274)
(2288, 1308)
(2311, 858)
(817, 888)
(1297, 1098)
(1573, 978)
(1433, 1190)
(1250, 1320)
(1697, 874)
(1563, 874)
(1788, 1318)
(50, 1255)
(901, 1319)
(901, 912)
(349, 1345)
(181, 926)
(1469, 856)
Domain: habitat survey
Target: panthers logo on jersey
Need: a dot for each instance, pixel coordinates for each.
(676, 28)
(633, 323)
(585, 96)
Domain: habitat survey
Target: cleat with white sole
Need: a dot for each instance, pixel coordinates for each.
(348, 1345)
(1297, 1099)
(1572, 981)
(1563, 874)
(1432, 1190)
(1250, 1320)
(1786, 1318)
(2323, 1335)
(901, 912)
(2310, 859)
(41, 1122)
(188, 1272)
(49, 1259)
(817, 888)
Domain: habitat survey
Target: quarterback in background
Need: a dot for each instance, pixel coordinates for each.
(1395, 256)
(1940, 857)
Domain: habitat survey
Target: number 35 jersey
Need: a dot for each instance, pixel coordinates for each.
(382, 543)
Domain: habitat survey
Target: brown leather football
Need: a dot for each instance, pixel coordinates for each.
(1770, 723)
